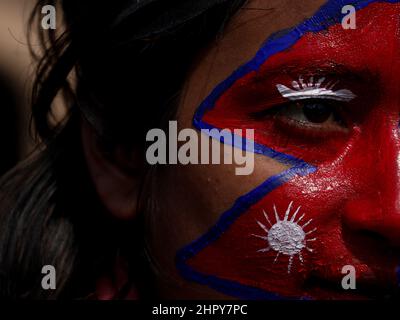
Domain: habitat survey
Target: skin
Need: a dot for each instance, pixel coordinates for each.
(15, 61)
(357, 223)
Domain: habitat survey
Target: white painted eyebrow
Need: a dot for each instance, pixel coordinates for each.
(314, 90)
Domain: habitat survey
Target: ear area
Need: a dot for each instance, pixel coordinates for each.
(117, 176)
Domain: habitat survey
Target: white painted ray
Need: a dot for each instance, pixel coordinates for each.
(260, 237)
(302, 84)
(290, 264)
(320, 82)
(277, 256)
(264, 249)
(266, 218)
(328, 85)
(311, 82)
(276, 214)
(307, 223)
(334, 83)
(263, 227)
(295, 214)
(301, 218)
(296, 85)
(311, 231)
(288, 211)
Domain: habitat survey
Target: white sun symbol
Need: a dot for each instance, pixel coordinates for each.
(286, 236)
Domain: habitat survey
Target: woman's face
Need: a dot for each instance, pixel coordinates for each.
(324, 102)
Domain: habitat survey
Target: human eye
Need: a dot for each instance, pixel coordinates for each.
(313, 114)
(312, 107)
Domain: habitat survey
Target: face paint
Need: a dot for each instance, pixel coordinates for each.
(338, 203)
(286, 236)
(311, 90)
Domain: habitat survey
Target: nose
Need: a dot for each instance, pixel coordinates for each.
(376, 205)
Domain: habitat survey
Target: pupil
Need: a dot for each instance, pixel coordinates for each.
(316, 112)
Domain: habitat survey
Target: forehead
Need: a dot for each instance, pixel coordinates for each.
(322, 45)
(322, 37)
(375, 38)
(242, 38)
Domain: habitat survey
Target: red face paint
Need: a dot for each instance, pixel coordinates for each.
(353, 197)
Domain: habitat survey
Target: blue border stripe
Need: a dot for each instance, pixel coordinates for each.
(256, 148)
(241, 205)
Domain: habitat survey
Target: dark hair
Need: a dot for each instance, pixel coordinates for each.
(130, 59)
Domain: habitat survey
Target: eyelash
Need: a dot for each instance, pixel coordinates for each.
(312, 107)
(307, 129)
(303, 90)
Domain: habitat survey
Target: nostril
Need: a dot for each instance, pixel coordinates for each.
(369, 217)
(370, 247)
(377, 237)
(367, 239)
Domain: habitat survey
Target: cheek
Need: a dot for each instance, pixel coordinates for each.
(280, 238)
(190, 199)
